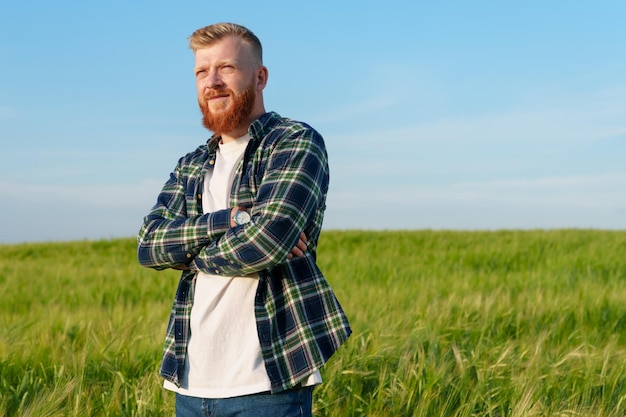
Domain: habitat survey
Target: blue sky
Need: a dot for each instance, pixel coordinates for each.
(437, 115)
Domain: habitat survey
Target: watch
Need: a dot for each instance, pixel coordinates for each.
(241, 217)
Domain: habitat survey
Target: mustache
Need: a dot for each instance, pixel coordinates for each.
(217, 93)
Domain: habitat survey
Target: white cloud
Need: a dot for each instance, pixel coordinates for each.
(79, 196)
(553, 117)
(33, 212)
(530, 127)
(584, 191)
(570, 201)
(356, 110)
(378, 92)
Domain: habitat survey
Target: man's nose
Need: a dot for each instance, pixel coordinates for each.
(214, 81)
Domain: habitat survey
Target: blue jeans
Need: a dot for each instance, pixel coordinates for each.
(292, 403)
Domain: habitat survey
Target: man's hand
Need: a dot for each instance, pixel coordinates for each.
(300, 247)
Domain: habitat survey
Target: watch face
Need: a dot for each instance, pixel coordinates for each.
(242, 217)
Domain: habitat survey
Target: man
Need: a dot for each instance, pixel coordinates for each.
(253, 319)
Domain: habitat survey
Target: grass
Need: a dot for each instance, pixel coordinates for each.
(506, 323)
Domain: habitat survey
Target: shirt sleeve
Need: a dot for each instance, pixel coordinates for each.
(170, 236)
(292, 190)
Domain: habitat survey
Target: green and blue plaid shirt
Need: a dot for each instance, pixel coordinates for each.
(283, 180)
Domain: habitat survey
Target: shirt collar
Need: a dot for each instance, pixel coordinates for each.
(257, 130)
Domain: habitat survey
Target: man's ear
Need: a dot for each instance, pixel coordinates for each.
(261, 78)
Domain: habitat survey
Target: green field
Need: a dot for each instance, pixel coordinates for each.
(507, 323)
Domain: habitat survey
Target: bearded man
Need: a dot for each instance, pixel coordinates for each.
(254, 319)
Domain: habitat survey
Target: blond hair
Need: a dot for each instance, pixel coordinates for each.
(208, 35)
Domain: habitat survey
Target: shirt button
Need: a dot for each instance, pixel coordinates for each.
(217, 271)
(212, 162)
(188, 256)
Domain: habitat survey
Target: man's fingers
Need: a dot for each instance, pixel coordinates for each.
(302, 243)
(300, 247)
(295, 252)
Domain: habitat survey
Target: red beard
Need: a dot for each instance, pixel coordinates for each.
(232, 117)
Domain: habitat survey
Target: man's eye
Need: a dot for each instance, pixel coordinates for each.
(227, 68)
(201, 74)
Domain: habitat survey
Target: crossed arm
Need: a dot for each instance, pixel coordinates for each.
(297, 251)
(291, 191)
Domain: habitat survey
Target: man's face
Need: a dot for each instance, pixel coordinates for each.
(227, 80)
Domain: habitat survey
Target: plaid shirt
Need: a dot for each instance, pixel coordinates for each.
(283, 180)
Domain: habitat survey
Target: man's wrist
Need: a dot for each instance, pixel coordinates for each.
(239, 216)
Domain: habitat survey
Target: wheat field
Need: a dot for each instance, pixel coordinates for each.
(446, 323)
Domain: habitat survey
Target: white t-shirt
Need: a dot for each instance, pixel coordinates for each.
(224, 354)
